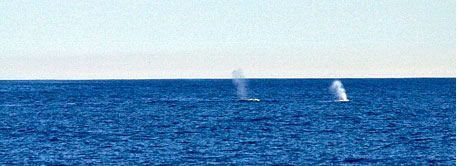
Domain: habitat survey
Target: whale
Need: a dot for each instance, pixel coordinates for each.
(250, 100)
(342, 100)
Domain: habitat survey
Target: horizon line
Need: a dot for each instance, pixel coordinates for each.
(225, 78)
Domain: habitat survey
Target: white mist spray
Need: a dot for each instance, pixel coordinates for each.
(240, 82)
(338, 90)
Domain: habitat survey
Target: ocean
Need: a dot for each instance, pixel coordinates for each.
(202, 122)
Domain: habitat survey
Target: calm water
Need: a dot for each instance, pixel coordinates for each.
(199, 122)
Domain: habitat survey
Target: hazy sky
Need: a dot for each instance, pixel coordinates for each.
(209, 39)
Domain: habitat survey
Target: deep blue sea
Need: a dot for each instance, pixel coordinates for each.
(201, 122)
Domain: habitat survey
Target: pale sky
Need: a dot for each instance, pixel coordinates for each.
(209, 39)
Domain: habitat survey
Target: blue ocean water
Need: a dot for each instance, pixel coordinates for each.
(201, 122)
